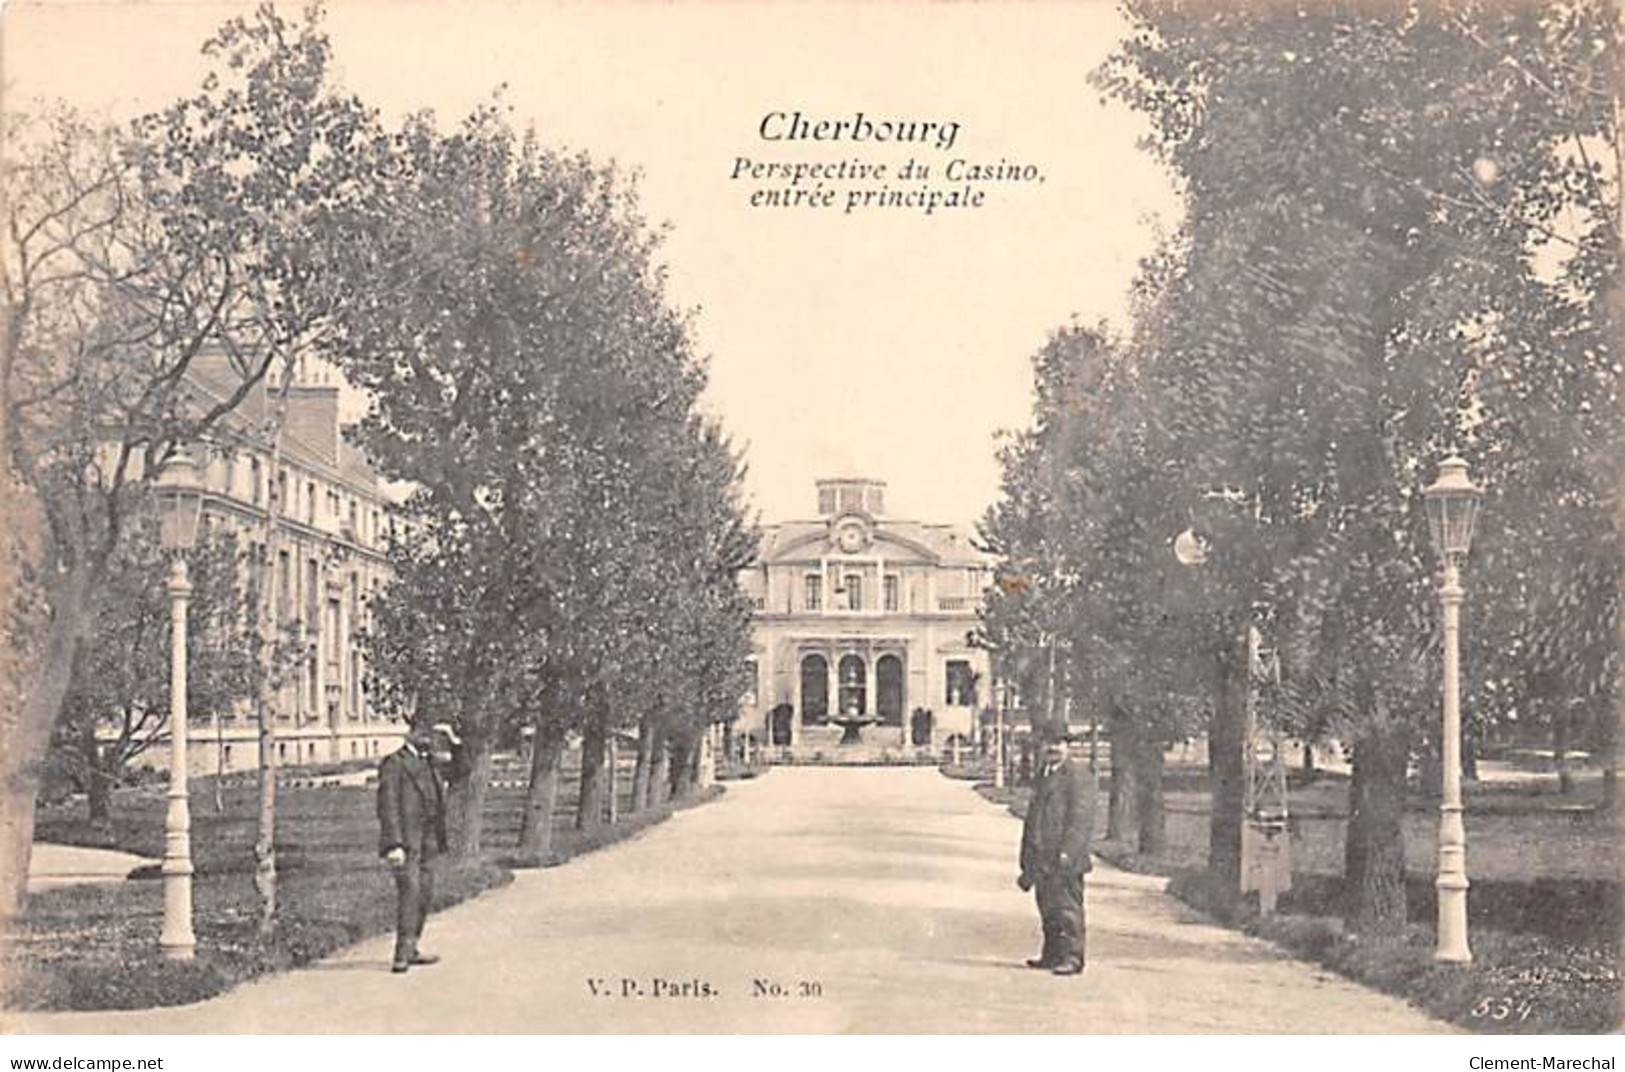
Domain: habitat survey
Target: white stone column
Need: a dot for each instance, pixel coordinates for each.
(767, 696)
(907, 697)
(833, 706)
(795, 712)
(871, 699)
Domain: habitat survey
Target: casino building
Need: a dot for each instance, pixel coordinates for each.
(861, 628)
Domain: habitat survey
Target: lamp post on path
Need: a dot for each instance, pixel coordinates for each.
(180, 506)
(1452, 507)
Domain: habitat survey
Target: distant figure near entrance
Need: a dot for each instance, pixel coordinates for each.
(1055, 852)
(412, 830)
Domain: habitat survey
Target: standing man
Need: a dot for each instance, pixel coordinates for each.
(1055, 851)
(412, 830)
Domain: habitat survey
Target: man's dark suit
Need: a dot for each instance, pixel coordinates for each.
(411, 816)
(1055, 855)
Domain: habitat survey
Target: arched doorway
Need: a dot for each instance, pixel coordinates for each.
(814, 689)
(854, 689)
(889, 690)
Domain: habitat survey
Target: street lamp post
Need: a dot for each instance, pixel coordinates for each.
(1452, 507)
(180, 504)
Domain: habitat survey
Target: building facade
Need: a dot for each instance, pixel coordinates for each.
(331, 518)
(862, 627)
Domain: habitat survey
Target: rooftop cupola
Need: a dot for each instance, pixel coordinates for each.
(851, 495)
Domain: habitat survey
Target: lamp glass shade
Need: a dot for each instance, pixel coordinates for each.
(1452, 506)
(180, 503)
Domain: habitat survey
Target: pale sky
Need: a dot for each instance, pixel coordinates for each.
(885, 343)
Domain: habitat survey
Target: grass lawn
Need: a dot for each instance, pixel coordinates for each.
(1544, 907)
(96, 946)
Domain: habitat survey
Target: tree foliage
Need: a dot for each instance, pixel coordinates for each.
(1399, 238)
(575, 525)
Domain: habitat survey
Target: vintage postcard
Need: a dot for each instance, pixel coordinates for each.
(754, 518)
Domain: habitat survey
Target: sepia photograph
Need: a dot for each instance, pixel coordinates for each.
(851, 519)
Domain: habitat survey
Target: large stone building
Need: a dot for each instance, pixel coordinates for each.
(333, 517)
(862, 621)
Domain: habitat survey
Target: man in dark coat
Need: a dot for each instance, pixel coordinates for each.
(412, 830)
(1055, 852)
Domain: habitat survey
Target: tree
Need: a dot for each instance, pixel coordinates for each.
(505, 314)
(1368, 191)
(129, 254)
(1090, 505)
(117, 705)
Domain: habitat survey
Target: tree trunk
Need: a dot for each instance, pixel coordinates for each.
(655, 792)
(1469, 751)
(1431, 772)
(1378, 909)
(1121, 820)
(219, 767)
(1560, 747)
(265, 823)
(1227, 733)
(26, 730)
(642, 769)
(541, 794)
(98, 781)
(682, 767)
(590, 801)
(1152, 816)
(473, 793)
(1354, 831)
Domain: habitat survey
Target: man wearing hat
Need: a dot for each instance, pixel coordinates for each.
(1055, 851)
(412, 829)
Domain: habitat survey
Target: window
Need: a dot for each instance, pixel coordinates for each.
(851, 500)
(961, 685)
(282, 750)
(353, 749)
(854, 591)
(752, 687)
(281, 500)
(335, 642)
(312, 594)
(814, 592)
(284, 572)
(890, 594)
(254, 475)
(310, 503)
(826, 500)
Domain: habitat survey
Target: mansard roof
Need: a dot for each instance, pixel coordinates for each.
(312, 436)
